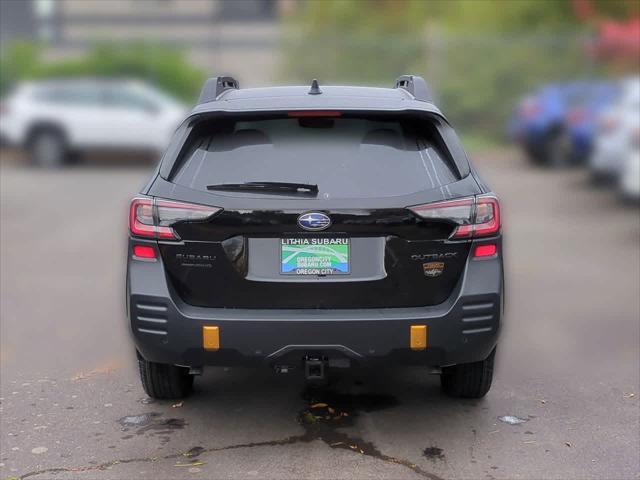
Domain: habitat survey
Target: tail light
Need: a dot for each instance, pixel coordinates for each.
(488, 250)
(153, 217)
(608, 123)
(576, 116)
(529, 108)
(144, 251)
(475, 216)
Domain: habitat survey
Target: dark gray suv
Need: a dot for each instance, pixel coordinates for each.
(315, 228)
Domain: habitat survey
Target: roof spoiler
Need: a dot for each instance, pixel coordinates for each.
(416, 86)
(214, 87)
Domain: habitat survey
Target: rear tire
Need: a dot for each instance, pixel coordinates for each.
(48, 148)
(468, 380)
(533, 154)
(164, 381)
(558, 150)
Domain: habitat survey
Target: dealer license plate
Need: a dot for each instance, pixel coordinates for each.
(314, 256)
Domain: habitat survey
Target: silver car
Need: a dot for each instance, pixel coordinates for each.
(616, 129)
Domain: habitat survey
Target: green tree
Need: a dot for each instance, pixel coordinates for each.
(480, 56)
(360, 41)
(19, 61)
(165, 67)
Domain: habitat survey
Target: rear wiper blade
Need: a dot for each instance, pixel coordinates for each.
(269, 187)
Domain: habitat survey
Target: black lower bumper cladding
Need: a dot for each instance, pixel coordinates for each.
(463, 329)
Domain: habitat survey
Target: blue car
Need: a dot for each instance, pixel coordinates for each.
(581, 120)
(555, 125)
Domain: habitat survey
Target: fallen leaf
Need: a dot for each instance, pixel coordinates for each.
(567, 444)
(95, 371)
(309, 417)
(193, 464)
(177, 405)
(193, 452)
(362, 451)
(629, 395)
(542, 401)
(319, 405)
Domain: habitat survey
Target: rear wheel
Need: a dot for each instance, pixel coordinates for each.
(48, 148)
(533, 153)
(601, 179)
(558, 149)
(468, 380)
(164, 381)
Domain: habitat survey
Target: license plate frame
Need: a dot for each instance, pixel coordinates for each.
(320, 256)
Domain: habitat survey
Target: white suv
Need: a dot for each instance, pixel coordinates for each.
(55, 118)
(617, 134)
(630, 175)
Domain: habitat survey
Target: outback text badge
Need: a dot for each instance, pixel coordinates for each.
(433, 269)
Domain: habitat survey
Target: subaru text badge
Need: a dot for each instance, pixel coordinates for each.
(314, 221)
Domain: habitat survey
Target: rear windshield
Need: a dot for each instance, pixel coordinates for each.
(346, 156)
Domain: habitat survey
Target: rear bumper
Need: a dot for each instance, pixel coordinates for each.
(607, 160)
(630, 178)
(463, 329)
(581, 142)
(10, 135)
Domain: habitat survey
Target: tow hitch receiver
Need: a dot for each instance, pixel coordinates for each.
(314, 368)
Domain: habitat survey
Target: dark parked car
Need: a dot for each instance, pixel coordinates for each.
(315, 228)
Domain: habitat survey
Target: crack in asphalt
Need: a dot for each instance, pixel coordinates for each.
(305, 438)
(326, 412)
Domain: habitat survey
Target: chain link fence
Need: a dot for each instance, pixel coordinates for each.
(476, 78)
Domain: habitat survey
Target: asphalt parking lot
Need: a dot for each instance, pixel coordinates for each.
(568, 362)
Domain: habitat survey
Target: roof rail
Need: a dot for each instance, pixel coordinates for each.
(416, 86)
(214, 87)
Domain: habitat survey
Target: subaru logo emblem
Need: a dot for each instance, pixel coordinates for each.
(314, 221)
